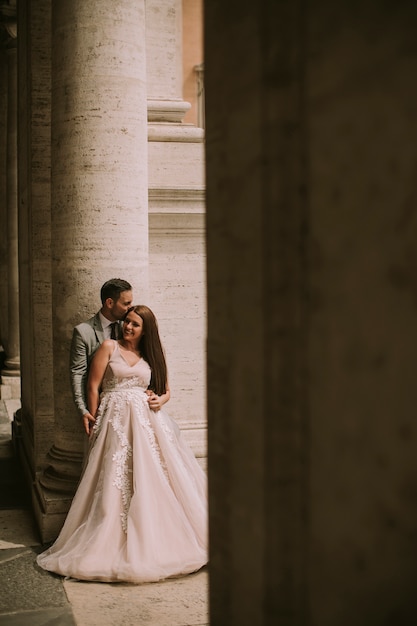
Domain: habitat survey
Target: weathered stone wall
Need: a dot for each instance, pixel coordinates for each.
(192, 54)
(177, 268)
(176, 222)
(177, 294)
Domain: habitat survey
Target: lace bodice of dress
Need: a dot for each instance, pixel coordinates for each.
(119, 375)
(123, 385)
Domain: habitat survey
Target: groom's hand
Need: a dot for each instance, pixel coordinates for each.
(88, 421)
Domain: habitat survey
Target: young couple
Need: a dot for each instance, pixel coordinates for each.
(140, 510)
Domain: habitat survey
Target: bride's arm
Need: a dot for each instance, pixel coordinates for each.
(96, 374)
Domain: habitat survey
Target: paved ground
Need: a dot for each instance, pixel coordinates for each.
(29, 596)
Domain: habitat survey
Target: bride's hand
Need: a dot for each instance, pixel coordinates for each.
(154, 401)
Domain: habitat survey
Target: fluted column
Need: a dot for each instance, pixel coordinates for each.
(10, 375)
(99, 195)
(3, 204)
(33, 427)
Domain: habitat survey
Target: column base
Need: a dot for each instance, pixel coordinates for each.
(52, 489)
(63, 471)
(50, 509)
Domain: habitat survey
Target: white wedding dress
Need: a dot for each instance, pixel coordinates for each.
(140, 511)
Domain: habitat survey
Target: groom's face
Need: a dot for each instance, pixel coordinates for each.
(119, 307)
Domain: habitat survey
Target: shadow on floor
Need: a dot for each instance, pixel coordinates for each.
(13, 490)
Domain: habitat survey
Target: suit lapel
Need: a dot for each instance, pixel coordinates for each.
(98, 329)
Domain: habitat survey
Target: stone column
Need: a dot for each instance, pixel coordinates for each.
(312, 298)
(363, 331)
(33, 428)
(257, 313)
(99, 196)
(3, 196)
(10, 375)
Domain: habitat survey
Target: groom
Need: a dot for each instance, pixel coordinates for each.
(116, 298)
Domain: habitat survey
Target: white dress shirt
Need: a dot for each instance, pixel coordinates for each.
(106, 324)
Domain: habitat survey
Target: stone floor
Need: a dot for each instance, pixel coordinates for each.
(29, 595)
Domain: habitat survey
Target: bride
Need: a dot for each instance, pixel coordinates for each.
(140, 510)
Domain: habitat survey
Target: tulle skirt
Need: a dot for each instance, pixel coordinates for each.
(140, 511)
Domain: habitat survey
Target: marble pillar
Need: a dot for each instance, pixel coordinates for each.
(33, 427)
(176, 222)
(10, 374)
(99, 186)
(3, 203)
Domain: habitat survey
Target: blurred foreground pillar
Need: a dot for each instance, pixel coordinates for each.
(312, 296)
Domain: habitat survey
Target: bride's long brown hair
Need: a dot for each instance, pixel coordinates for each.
(151, 349)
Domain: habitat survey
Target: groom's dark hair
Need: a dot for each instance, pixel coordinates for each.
(112, 289)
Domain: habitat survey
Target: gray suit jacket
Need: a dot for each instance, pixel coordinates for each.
(86, 338)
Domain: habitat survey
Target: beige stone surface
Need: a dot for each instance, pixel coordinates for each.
(10, 387)
(163, 49)
(193, 53)
(177, 602)
(12, 405)
(177, 268)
